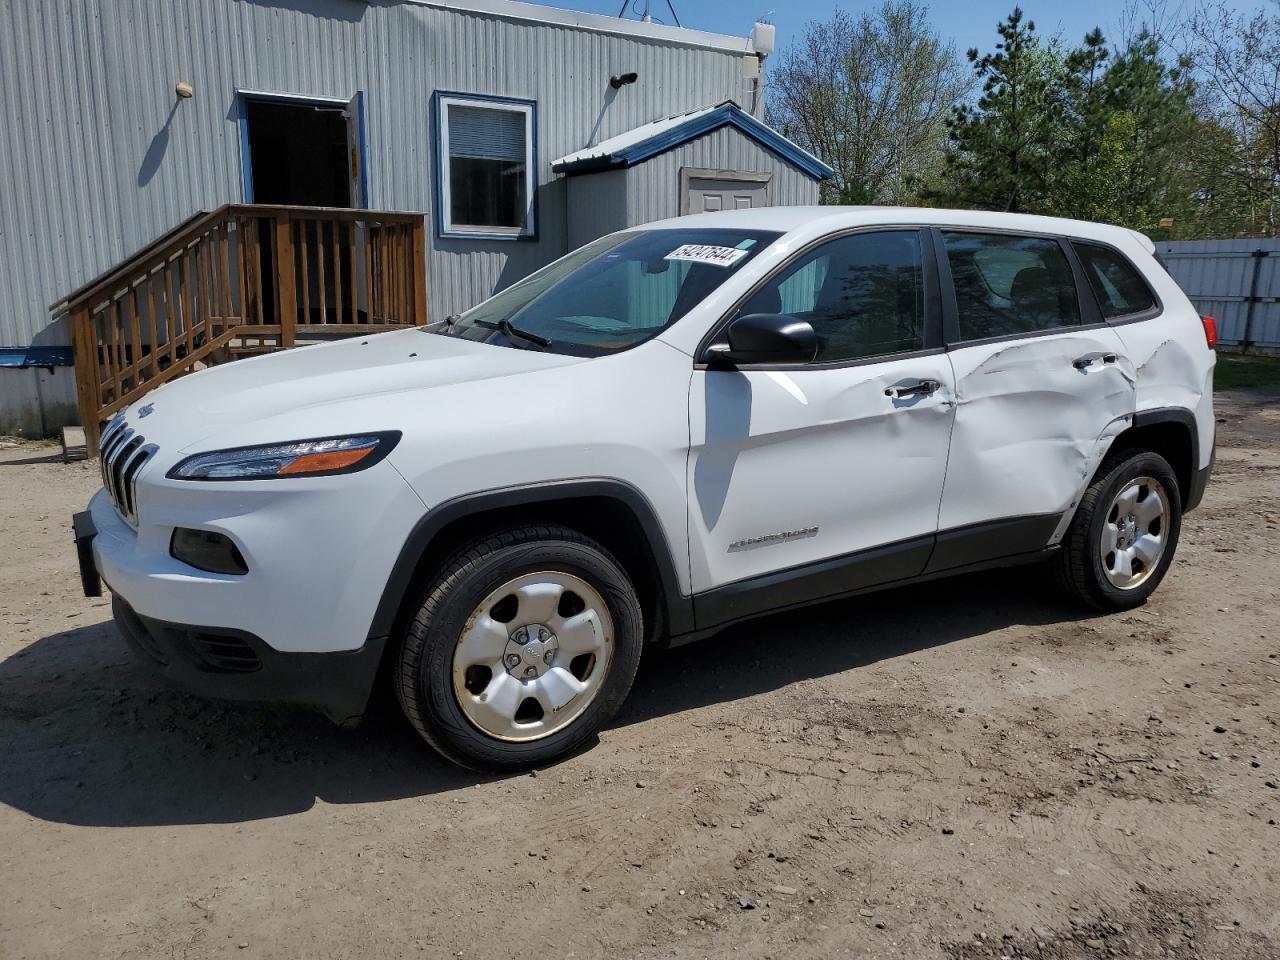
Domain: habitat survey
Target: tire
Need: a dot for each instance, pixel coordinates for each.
(1096, 577)
(473, 717)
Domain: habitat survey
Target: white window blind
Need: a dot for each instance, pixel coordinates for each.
(486, 134)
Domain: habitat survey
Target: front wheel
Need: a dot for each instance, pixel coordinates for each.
(525, 645)
(1124, 534)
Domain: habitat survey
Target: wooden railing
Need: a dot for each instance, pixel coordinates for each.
(240, 280)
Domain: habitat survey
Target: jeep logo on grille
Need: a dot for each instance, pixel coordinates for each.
(146, 409)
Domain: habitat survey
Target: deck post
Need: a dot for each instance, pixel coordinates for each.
(418, 270)
(84, 346)
(286, 290)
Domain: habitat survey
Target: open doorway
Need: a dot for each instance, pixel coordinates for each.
(297, 153)
(309, 152)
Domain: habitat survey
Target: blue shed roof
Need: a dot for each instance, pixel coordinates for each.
(651, 139)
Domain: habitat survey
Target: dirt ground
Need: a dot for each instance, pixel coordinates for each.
(963, 769)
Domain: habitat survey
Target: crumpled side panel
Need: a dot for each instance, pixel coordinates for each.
(1030, 426)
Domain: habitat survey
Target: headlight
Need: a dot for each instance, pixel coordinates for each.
(301, 458)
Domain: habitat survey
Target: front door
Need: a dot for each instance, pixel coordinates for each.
(814, 480)
(1042, 385)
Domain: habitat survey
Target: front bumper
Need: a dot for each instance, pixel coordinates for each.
(234, 665)
(211, 646)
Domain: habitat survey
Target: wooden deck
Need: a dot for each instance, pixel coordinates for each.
(240, 280)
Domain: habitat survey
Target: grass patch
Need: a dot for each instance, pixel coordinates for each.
(1236, 371)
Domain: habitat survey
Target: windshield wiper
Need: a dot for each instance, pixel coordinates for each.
(512, 332)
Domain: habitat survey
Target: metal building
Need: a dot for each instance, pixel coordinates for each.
(1237, 282)
(130, 116)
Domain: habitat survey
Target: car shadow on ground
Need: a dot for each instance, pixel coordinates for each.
(91, 738)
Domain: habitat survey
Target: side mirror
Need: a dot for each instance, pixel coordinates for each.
(765, 338)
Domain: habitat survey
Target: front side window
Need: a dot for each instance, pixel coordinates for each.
(1008, 285)
(486, 166)
(1119, 287)
(613, 293)
(863, 294)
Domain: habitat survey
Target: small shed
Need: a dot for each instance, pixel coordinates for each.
(716, 158)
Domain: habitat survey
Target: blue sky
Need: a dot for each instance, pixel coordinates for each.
(966, 23)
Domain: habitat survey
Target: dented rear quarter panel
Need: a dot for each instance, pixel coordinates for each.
(1174, 365)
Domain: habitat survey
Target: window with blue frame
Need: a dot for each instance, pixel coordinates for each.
(487, 169)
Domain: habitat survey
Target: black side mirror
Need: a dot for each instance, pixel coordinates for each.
(765, 338)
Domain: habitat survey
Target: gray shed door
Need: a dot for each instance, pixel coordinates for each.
(706, 195)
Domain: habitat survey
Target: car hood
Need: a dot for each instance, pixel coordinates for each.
(181, 414)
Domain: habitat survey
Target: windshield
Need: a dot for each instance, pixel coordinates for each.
(614, 293)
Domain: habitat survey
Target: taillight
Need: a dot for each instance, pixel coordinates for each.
(1210, 332)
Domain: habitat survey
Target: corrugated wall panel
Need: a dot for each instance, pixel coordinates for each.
(653, 187)
(1218, 276)
(101, 156)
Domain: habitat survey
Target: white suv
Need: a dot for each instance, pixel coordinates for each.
(670, 430)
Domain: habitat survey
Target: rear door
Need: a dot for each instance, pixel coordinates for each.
(1042, 385)
(816, 479)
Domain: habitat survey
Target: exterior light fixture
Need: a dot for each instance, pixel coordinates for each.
(623, 79)
(184, 90)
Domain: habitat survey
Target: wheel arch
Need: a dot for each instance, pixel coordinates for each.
(610, 511)
(1172, 433)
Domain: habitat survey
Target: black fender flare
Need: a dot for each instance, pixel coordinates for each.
(677, 607)
(1199, 476)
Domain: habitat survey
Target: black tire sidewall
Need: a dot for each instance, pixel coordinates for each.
(434, 681)
(1123, 472)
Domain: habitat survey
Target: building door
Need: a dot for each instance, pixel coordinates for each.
(297, 152)
(707, 191)
(308, 152)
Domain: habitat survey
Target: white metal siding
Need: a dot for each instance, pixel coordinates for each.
(1218, 277)
(100, 156)
(653, 187)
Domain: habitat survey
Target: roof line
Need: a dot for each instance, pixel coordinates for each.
(596, 22)
(698, 124)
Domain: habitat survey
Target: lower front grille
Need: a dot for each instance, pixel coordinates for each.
(207, 649)
(224, 653)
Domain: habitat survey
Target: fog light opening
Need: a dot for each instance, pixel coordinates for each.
(208, 551)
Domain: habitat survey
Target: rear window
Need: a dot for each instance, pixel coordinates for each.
(1116, 282)
(1009, 285)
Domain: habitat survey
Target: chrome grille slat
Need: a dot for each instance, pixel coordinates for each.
(124, 452)
(108, 456)
(129, 477)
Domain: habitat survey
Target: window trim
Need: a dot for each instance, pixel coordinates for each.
(1090, 314)
(445, 228)
(1138, 315)
(933, 333)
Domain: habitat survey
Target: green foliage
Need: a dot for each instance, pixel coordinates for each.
(1177, 146)
(1089, 132)
(1003, 146)
(870, 96)
(1237, 371)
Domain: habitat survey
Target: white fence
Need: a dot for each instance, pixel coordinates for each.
(1237, 282)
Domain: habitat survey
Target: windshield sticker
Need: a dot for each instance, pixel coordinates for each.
(706, 253)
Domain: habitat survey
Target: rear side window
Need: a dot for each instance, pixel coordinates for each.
(862, 293)
(1119, 286)
(1008, 285)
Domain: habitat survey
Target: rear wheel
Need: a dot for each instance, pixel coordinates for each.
(1124, 534)
(525, 645)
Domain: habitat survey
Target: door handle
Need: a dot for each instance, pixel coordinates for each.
(919, 388)
(1083, 363)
